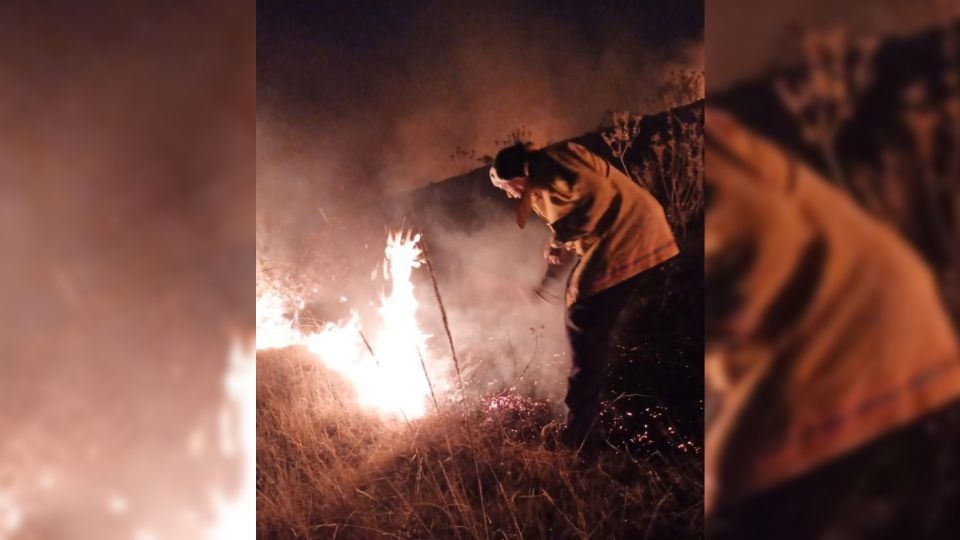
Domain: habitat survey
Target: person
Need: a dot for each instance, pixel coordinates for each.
(623, 240)
(832, 368)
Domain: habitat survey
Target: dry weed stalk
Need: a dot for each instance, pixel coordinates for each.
(836, 74)
(520, 135)
(369, 348)
(913, 182)
(423, 365)
(536, 349)
(465, 160)
(622, 134)
(675, 170)
(679, 167)
(443, 314)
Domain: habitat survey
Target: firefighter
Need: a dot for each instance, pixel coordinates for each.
(622, 238)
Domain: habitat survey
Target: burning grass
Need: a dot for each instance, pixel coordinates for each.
(334, 463)
(327, 469)
(361, 431)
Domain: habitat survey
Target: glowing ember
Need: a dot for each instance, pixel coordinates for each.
(392, 382)
(235, 514)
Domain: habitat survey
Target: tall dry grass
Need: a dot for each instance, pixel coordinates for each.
(326, 469)
(670, 165)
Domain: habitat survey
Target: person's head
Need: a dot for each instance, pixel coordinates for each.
(509, 171)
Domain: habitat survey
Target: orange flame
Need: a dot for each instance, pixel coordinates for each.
(393, 382)
(235, 514)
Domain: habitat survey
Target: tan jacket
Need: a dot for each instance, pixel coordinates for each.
(617, 227)
(832, 332)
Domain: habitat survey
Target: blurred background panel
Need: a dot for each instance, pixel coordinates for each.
(127, 239)
(748, 37)
(832, 266)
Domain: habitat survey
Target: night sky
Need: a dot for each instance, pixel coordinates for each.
(358, 99)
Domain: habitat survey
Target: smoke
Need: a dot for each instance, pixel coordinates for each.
(509, 336)
(358, 104)
(355, 102)
(383, 111)
(125, 209)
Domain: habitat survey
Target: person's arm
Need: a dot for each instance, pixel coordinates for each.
(579, 195)
(557, 257)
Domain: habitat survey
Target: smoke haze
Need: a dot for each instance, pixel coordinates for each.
(356, 104)
(357, 101)
(126, 198)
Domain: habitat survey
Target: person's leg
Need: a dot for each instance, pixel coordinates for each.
(590, 323)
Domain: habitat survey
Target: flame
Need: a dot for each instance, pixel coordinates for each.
(10, 516)
(235, 514)
(392, 379)
(274, 329)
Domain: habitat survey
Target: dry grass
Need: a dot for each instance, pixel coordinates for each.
(325, 469)
(672, 167)
(677, 170)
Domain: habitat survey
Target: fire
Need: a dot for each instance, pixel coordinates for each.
(387, 371)
(235, 514)
(10, 516)
(274, 330)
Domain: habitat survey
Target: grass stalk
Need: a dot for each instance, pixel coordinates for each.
(443, 314)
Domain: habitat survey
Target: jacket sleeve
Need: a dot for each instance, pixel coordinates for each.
(754, 224)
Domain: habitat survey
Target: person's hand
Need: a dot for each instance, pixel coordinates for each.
(553, 254)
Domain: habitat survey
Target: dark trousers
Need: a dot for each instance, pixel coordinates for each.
(904, 485)
(591, 323)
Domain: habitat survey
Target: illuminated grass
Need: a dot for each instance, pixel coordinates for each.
(326, 469)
